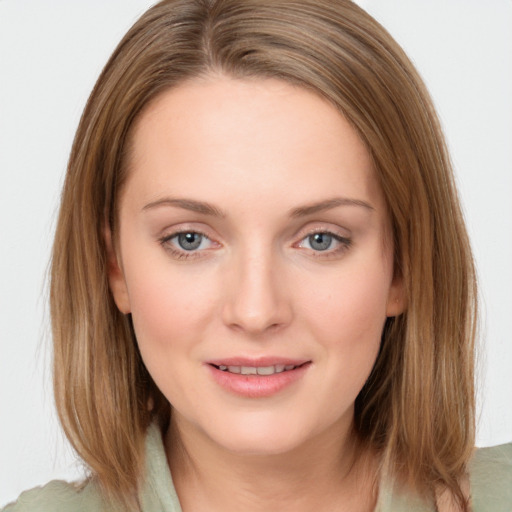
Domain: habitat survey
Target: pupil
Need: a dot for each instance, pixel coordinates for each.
(189, 241)
(320, 241)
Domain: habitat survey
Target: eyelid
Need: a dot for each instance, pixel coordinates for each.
(343, 241)
(175, 233)
(200, 228)
(181, 254)
(323, 227)
(339, 238)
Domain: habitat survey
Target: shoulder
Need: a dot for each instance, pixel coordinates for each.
(490, 474)
(59, 496)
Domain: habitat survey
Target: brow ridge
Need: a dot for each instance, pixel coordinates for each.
(187, 204)
(301, 211)
(327, 204)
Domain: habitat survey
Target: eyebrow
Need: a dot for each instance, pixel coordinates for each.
(310, 209)
(302, 211)
(187, 204)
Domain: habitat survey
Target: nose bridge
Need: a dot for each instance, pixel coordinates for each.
(257, 299)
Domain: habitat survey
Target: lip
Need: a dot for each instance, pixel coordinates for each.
(257, 361)
(257, 386)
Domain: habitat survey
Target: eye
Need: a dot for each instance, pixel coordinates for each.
(320, 241)
(190, 241)
(186, 244)
(324, 241)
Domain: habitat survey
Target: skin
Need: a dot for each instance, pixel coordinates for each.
(259, 152)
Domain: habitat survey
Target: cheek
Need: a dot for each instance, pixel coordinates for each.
(169, 306)
(347, 315)
(352, 302)
(170, 315)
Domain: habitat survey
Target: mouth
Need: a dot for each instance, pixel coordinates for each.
(257, 370)
(259, 378)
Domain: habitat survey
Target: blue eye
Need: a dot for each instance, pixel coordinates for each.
(320, 241)
(189, 241)
(186, 243)
(325, 242)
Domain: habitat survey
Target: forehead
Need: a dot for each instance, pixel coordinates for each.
(219, 137)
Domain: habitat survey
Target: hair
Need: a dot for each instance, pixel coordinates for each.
(417, 407)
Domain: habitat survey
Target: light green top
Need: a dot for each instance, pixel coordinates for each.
(490, 477)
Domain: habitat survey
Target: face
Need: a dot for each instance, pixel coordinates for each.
(255, 258)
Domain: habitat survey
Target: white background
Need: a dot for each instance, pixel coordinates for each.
(50, 55)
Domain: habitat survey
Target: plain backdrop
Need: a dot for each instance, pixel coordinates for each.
(51, 53)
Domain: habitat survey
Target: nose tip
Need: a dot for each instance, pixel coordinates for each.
(257, 302)
(254, 322)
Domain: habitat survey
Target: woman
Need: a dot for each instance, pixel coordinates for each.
(261, 279)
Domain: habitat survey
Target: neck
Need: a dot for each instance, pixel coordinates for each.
(334, 468)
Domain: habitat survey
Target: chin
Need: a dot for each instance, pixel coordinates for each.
(262, 445)
(253, 435)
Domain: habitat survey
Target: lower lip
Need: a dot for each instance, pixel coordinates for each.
(257, 386)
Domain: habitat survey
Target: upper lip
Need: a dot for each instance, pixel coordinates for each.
(257, 362)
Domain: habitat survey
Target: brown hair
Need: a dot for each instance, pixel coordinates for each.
(417, 407)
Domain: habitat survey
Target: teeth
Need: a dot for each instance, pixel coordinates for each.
(266, 370)
(257, 370)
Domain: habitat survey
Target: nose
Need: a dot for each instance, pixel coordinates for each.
(257, 298)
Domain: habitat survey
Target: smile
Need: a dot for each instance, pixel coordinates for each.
(257, 379)
(257, 370)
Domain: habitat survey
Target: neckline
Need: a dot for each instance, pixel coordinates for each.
(158, 492)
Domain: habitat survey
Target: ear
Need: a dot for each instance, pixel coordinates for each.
(116, 278)
(397, 301)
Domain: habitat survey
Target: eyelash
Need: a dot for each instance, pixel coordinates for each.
(181, 254)
(177, 253)
(344, 244)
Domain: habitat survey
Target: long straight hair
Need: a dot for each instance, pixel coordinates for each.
(417, 407)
